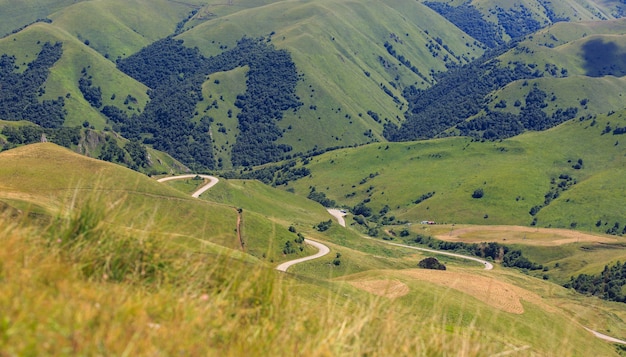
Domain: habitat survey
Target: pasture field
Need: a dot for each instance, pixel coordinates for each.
(365, 288)
(514, 174)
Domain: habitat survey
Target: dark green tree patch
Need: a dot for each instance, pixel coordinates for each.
(431, 263)
(607, 285)
(518, 21)
(478, 193)
(138, 153)
(20, 92)
(175, 75)
(320, 197)
(324, 226)
(91, 93)
(471, 21)
(28, 134)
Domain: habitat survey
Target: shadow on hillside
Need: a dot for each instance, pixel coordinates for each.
(604, 58)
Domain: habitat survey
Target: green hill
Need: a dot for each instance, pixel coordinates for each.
(584, 58)
(339, 47)
(497, 21)
(63, 80)
(354, 62)
(336, 96)
(559, 171)
(116, 263)
(124, 250)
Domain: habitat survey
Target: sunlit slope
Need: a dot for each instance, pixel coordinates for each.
(515, 175)
(490, 304)
(585, 58)
(50, 180)
(78, 60)
(119, 28)
(15, 14)
(220, 93)
(339, 49)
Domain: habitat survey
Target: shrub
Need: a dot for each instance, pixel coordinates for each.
(478, 193)
(431, 263)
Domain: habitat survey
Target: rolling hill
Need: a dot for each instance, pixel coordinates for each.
(322, 101)
(570, 175)
(355, 61)
(106, 218)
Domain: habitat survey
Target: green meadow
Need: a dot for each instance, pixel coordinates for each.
(515, 174)
(170, 264)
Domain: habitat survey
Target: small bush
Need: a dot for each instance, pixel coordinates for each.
(478, 193)
(431, 263)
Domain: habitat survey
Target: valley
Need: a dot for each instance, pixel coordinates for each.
(312, 177)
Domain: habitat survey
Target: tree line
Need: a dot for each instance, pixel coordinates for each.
(471, 21)
(28, 134)
(607, 285)
(513, 258)
(496, 124)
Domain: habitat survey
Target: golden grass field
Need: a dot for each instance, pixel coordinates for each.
(489, 290)
(387, 288)
(515, 235)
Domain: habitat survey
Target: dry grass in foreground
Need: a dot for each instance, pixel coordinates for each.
(79, 287)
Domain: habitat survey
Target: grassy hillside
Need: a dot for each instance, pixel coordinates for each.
(220, 93)
(543, 13)
(50, 180)
(338, 46)
(139, 279)
(514, 175)
(205, 304)
(584, 58)
(18, 14)
(117, 28)
(65, 74)
(354, 58)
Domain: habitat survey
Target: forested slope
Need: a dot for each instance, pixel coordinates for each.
(317, 75)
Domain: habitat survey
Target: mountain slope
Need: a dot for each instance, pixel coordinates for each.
(565, 71)
(355, 61)
(339, 47)
(123, 271)
(506, 20)
(554, 174)
(52, 180)
(77, 60)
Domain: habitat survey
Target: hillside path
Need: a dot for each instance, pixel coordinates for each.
(486, 264)
(212, 182)
(339, 214)
(323, 250)
(605, 337)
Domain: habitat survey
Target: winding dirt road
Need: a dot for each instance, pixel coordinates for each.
(339, 214)
(323, 250)
(486, 264)
(212, 182)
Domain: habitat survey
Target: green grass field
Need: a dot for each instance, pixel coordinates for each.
(97, 259)
(514, 174)
(189, 253)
